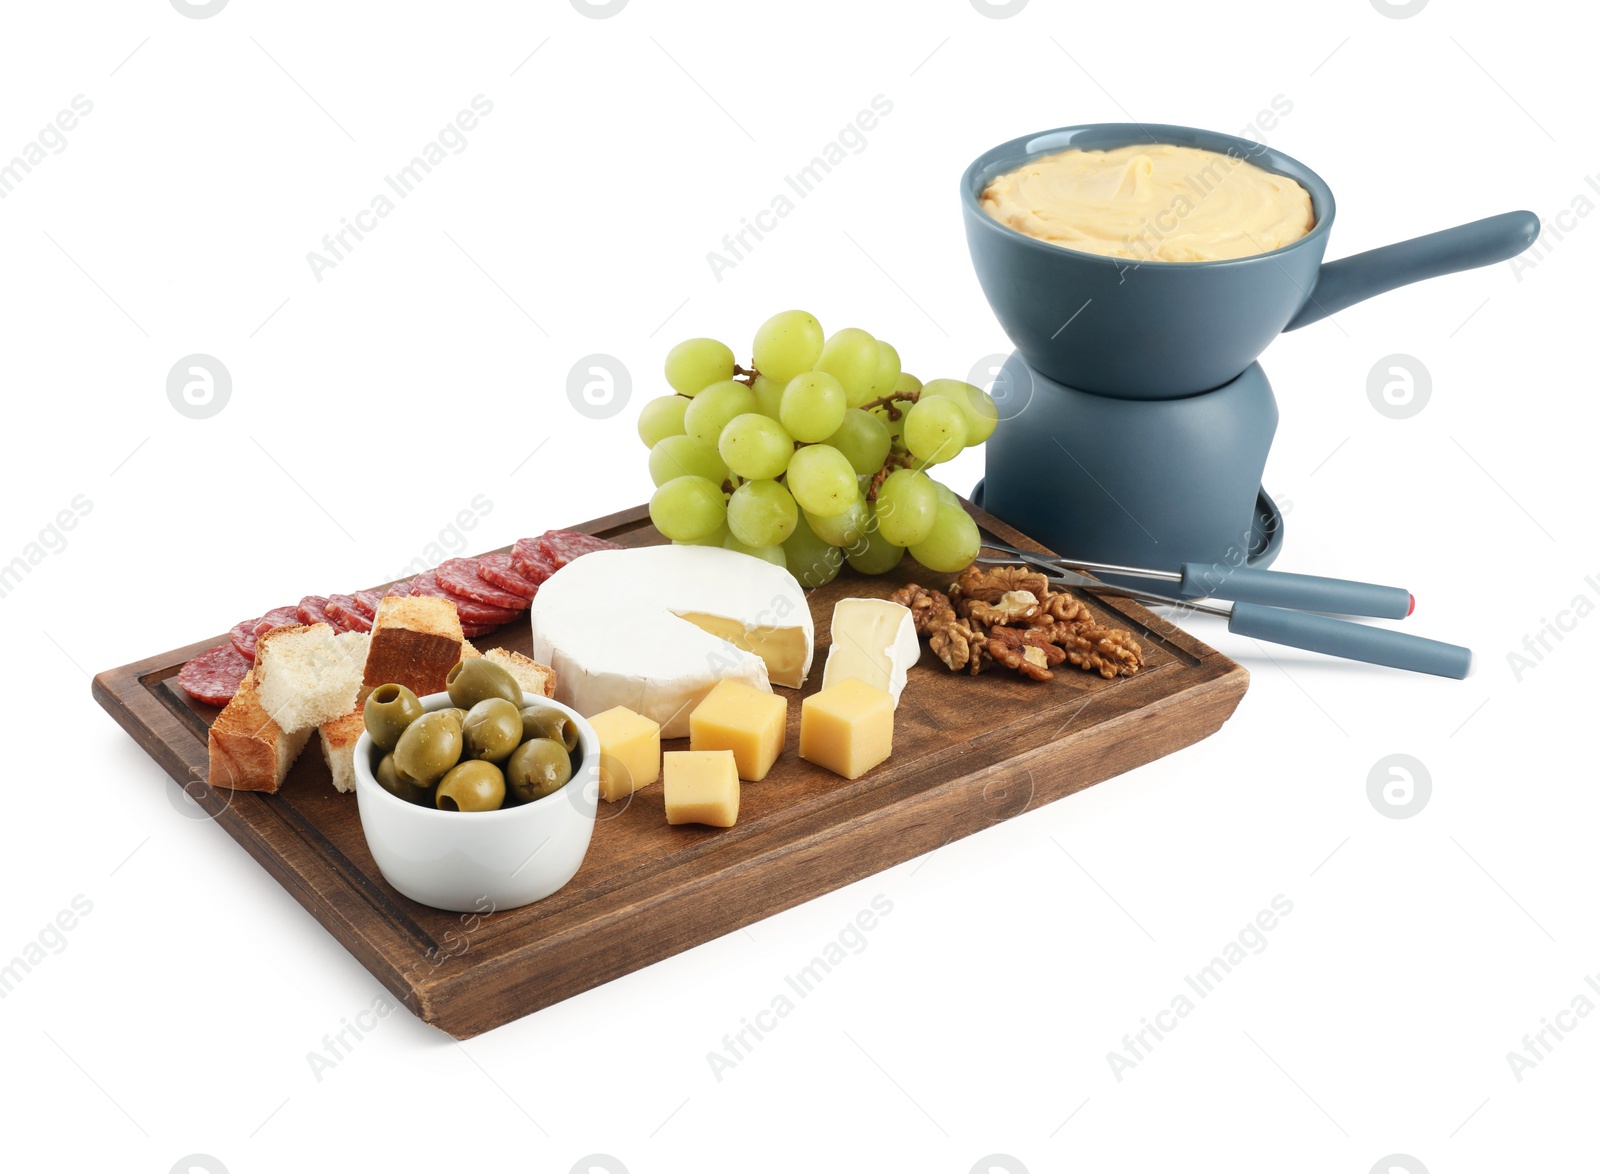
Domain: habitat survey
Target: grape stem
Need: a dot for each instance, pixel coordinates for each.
(888, 402)
(895, 460)
(746, 375)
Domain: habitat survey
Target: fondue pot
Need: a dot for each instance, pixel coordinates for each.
(1159, 329)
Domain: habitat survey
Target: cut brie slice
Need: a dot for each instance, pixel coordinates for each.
(654, 629)
(874, 640)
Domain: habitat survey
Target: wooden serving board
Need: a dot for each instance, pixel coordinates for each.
(969, 752)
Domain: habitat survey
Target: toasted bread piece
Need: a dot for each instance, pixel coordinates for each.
(306, 674)
(249, 751)
(416, 641)
(537, 680)
(339, 736)
(339, 739)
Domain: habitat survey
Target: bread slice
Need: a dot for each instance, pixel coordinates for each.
(339, 736)
(307, 674)
(537, 680)
(248, 750)
(339, 739)
(416, 641)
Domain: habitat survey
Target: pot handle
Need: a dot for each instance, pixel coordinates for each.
(1356, 278)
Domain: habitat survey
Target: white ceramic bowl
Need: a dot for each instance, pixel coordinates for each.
(474, 861)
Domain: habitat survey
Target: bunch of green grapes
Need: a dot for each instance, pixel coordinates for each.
(814, 456)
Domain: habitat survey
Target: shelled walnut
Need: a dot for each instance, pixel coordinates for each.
(1010, 617)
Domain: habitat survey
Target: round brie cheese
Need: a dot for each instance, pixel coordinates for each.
(655, 628)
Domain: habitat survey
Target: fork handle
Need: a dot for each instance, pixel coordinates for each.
(1344, 597)
(1399, 650)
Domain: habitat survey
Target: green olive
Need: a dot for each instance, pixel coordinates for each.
(459, 714)
(399, 785)
(541, 721)
(430, 746)
(492, 730)
(537, 768)
(472, 786)
(389, 710)
(470, 681)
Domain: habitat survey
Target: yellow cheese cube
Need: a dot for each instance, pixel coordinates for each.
(630, 752)
(749, 721)
(701, 786)
(847, 727)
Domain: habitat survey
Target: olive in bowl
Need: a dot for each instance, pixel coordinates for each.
(477, 678)
(388, 711)
(456, 860)
(541, 721)
(492, 730)
(473, 785)
(538, 767)
(428, 747)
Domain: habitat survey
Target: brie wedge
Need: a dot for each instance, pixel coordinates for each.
(874, 640)
(655, 628)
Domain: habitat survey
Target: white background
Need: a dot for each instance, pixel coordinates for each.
(369, 407)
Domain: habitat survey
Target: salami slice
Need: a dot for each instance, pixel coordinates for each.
(499, 570)
(475, 615)
(473, 631)
(565, 545)
(243, 634)
(346, 616)
(532, 563)
(367, 601)
(213, 677)
(459, 576)
(313, 609)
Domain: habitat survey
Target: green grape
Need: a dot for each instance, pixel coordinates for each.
(772, 554)
(907, 507)
(762, 513)
(888, 373)
(864, 439)
(952, 544)
(687, 508)
(662, 417)
(907, 382)
(711, 410)
(822, 480)
(682, 456)
(851, 357)
(769, 394)
(694, 365)
(716, 538)
(946, 494)
(846, 528)
(811, 559)
(812, 407)
(755, 447)
(787, 344)
(874, 554)
(935, 429)
(977, 406)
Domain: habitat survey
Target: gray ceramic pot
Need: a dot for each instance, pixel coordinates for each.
(1158, 329)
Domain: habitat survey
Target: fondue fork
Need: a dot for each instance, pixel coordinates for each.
(1345, 597)
(1299, 629)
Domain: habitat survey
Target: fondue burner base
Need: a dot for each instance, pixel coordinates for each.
(1266, 530)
